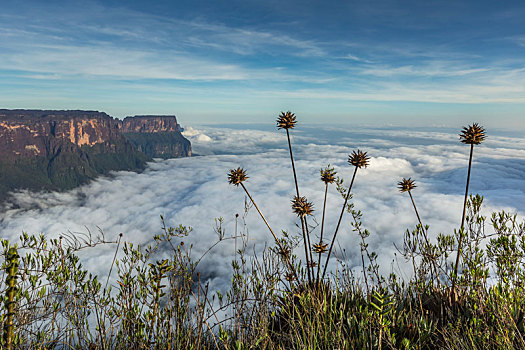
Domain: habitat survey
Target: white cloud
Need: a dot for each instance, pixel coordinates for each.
(121, 44)
(111, 61)
(431, 68)
(193, 191)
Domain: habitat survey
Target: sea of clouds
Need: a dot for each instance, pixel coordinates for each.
(194, 191)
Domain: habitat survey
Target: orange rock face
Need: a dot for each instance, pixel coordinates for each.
(30, 133)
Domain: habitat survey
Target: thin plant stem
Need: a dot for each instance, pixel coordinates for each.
(424, 233)
(322, 230)
(456, 267)
(306, 238)
(271, 231)
(293, 163)
(113, 262)
(236, 219)
(338, 224)
(364, 272)
(415, 209)
(309, 246)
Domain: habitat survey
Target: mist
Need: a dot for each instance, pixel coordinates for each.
(194, 191)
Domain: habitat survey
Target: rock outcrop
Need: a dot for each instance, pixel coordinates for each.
(158, 136)
(59, 150)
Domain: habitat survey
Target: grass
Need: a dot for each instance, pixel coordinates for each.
(467, 295)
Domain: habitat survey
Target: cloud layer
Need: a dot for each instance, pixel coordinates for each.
(194, 191)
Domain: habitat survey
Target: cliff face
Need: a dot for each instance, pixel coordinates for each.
(31, 133)
(150, 124)
(59, 150)
(156, 136)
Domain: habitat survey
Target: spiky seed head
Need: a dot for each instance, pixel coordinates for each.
(289, 276)
(406, 185)
(320, 248)
(473, 134)
(328, 175)
(312, 264)
(359, 159)
(286, 120)
(237, 176)
(302, 207)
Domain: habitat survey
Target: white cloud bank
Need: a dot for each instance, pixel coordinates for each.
(194, 191)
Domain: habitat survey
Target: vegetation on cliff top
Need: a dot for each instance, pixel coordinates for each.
(68, 167)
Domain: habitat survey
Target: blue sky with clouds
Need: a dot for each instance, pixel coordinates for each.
(379, 62)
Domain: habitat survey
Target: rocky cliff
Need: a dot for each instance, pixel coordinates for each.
(158, 136)
(58, 150)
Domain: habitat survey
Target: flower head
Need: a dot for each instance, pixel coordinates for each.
(320, 247)
(328, 175)
(237, 176)
(473, 134)
(359, 159)
(312, 264)
(286, 120)
(406, 185)
(302, 207)
(289, 276)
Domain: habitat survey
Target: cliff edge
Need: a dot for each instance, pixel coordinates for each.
(59, 150)
(157, 136)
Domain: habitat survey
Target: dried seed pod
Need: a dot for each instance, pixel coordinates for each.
(328, 175)
(406, 185)
(320, 248)
(359, 159)
(302, 207)
(237, 176)
(286, 120)
(473, 134)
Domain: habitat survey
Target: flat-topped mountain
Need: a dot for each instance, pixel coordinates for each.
(150, 124)
(158, 136)
(59, 150)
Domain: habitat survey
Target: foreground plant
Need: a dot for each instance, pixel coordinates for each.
(358, 159)
(303, 208)
(10, 302)
(287, 121)
(412, 242)
(471, 135)
(328, 177)
(407, 185)
(236, 177)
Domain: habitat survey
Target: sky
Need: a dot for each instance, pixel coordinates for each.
(194, 191)
(378, 62)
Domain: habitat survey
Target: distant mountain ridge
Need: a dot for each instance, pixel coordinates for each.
(158, 136)
(59, 150)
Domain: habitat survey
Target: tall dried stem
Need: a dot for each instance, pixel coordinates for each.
(473, 135)
(277, 241)
(343, 209)
(322, 230)
(287, 121)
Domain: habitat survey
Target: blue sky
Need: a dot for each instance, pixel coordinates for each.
(380, 62)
